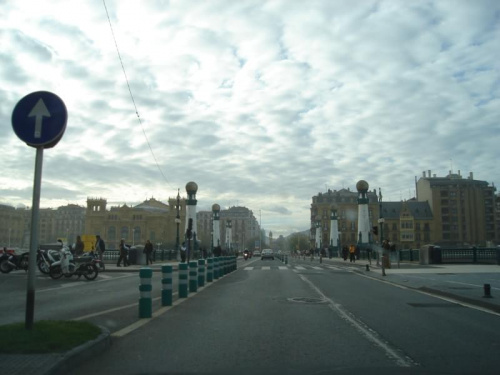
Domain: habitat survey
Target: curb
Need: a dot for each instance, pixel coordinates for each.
(75, 356)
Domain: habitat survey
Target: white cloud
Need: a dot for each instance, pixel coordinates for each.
(261, 103)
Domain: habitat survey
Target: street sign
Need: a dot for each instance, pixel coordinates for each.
(39, 119)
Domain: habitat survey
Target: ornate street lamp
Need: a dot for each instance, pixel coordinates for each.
(318, 232)
(177, 223)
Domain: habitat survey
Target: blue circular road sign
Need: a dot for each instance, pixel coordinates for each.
(39, 119)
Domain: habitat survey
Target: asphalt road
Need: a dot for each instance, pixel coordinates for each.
(307, 318)
(270, 318)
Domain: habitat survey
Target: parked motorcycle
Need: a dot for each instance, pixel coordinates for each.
(68, 266)
(46, 258)
(9, 262)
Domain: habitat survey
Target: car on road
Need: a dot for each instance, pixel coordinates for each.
(267, 254)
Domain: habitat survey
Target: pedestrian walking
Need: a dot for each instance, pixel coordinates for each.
(100, 248)
(352, 253)
(148, 250)
(123, 254)
(345, 251)
(79, 246)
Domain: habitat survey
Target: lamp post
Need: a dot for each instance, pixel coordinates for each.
(318, 233)
(177, 223)
(381, 222)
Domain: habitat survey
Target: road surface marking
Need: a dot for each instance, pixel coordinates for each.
(477, 286)
(248, 268)
(447, 299)
(300, 268)
(317, 268)
(266, 268)
(282, 267)
(105, 276)
(335, 268)
(400, 358)
(80, 283)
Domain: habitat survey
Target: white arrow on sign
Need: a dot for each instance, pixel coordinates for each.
(39, 111)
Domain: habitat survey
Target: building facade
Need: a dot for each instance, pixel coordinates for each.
(245, 229)
(151, 220)
(14, 228)
(463, 208)
(345, 203)
(407, 224)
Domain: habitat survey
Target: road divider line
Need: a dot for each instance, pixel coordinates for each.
(80, 283)
(474, 285)
(447, 299)
(401, 359)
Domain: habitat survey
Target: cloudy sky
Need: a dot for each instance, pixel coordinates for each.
(262, 103)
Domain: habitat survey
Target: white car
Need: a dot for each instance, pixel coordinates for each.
(267, 254)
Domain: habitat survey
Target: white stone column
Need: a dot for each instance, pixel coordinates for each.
(216, 226)
(363, 213)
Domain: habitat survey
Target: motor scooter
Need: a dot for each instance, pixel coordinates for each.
(68, 266)
(46, 258)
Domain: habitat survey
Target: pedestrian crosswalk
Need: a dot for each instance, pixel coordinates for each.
(298, 268)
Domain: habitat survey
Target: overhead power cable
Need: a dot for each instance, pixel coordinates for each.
(132, 97)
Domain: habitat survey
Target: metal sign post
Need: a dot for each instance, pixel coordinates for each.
(39, 119)
(35, 209)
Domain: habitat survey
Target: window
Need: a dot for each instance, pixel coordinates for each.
(111, 234)
(124, 233)
(137, 235)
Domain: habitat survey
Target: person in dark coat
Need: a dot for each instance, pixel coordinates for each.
(123, 254)
(148, 250)
(79, 246)
(100, 248)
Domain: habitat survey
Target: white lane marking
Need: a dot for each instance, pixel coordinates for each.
(447, 299)
(400, 359)
(266, 268)
(317, 268)
(248, 268)
(335, 268)
(477, 286)
(105, 276)
(299, 268)
(282, 267)
(79, 283)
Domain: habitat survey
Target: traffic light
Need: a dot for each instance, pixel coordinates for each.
(375, 230)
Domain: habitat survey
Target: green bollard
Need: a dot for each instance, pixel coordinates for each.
(201, 272)
(193, 282)
(216, 268)
(210, 270)
(183, 280)
(145, 301)
(167, 285)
